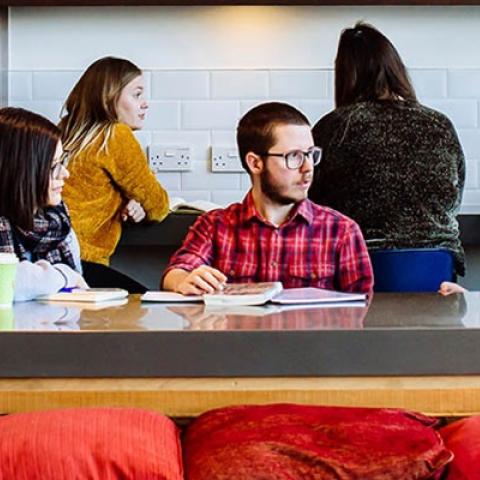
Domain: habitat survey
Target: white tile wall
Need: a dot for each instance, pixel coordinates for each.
(463, 113)
(201, 177)
(239, 84)
(50, 109)
(144, 137)
(53, 85)
(224, 137)
(430, 83)
(214, 114)
(300, 84)
(191, 195)
(470, 140)
(171, 180)
(201, 107)
(163, 116)
(471, 199)
(20, 86)
(464, 83)
(472, 180)
(180, 85)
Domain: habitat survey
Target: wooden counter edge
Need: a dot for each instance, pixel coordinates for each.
(189, 397)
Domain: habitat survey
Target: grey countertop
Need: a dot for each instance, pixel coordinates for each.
(398, 334)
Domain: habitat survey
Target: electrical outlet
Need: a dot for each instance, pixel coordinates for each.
(169, 158)
(226, 159)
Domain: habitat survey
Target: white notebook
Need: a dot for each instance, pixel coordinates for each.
(169, 297)
(86, 295)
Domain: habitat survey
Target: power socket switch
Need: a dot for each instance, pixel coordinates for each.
(226, 159)
(169, 158)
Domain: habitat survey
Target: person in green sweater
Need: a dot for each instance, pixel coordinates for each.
(393, 165)
(110, 180)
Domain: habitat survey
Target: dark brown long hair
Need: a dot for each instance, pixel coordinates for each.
(368, 67)
(27, 147)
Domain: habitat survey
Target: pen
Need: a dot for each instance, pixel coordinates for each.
(67, 290)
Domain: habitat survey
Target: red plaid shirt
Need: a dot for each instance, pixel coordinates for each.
(316, 247)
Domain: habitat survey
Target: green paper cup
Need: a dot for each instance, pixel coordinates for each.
(8, 269)
(6, 319)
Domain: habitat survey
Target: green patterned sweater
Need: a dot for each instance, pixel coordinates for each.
(396, 168)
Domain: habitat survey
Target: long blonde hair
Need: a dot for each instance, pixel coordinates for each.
(90, 109)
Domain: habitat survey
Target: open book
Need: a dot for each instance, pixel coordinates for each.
(259, 293)
(179, 205)
(232, 294)
(244, 294)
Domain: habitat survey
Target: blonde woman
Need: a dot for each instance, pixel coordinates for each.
(110, 181)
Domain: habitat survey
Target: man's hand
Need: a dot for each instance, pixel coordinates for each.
(202, 280)
(133, 211)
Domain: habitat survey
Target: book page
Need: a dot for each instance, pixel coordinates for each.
(177, 204)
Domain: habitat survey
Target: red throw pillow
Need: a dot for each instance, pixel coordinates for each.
(281, 442)
(463, 439)
(89, 443)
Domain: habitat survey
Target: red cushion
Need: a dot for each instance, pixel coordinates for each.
(96, 443)
(306, 442)
(463, 439)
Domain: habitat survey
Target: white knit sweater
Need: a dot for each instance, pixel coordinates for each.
(42, 278)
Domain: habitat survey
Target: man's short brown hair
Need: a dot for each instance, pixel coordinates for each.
(255, 131)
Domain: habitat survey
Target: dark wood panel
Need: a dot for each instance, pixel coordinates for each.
(232, 2)
(3, 56)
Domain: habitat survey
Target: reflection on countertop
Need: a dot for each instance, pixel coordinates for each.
(423, 310)
(271, 317)
(386, 311)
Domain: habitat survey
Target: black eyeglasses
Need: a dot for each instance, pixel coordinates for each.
(295, 158)
(56, 169)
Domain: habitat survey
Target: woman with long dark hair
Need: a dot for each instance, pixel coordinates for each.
(393, 165)
(34, 223)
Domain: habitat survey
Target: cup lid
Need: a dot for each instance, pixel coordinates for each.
(8, 258)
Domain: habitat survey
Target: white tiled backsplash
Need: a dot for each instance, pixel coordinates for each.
(201, 108)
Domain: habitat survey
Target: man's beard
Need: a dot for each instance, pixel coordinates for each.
(271, 191)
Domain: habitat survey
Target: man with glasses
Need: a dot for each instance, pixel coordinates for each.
(276, 233)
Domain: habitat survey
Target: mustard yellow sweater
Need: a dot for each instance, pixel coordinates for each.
(100, 185)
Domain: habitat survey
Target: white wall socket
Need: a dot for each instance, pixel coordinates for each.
(169, 158)
(226, 159)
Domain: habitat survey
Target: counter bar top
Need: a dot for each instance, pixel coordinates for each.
(400, 334)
